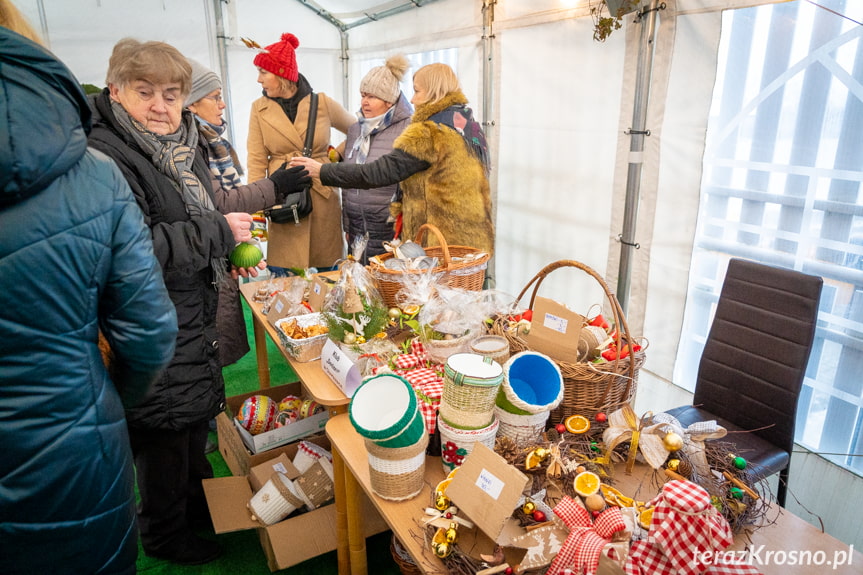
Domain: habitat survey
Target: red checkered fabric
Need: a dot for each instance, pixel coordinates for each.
(684, 527)
(425, 377)
(580, 552)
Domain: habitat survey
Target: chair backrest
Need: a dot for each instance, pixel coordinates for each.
(755, 356)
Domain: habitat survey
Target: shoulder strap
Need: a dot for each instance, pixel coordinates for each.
(313, 120)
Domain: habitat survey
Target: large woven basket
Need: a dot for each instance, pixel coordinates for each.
(587, 388)
(467, 275)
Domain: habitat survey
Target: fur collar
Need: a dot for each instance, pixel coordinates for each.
(429, 109)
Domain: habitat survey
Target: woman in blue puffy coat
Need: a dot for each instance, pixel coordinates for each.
(75, 257)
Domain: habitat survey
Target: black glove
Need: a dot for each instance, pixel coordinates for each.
(288, 180)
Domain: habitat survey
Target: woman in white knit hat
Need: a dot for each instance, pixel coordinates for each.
(384, 113)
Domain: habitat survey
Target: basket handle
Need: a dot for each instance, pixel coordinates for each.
(421, 233)
(617, 311)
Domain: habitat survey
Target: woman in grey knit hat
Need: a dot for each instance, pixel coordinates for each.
(384, 113)
(205, 101)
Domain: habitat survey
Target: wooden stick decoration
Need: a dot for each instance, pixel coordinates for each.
(537, 525)
(741, 485)
(675, 475)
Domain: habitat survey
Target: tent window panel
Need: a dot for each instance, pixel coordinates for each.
(782, 185)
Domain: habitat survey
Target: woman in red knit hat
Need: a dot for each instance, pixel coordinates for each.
(277, 131)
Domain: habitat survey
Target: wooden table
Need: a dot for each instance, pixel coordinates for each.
(351, 470)
(787, 534)
(318, 385)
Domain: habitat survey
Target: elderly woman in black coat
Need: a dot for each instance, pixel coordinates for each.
(141, 122)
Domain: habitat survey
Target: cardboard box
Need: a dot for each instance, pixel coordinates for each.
(487, 489)
(301, 536)
(554, 330)
(241, 450)
(322, 284)
(261, 473)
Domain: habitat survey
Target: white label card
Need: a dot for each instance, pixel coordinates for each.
(554, 322)
(489, 483)
(339, 367)
(280, 304)
(317, 289)
(280, 467)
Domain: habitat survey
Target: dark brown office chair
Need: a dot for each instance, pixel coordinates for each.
(754, 360)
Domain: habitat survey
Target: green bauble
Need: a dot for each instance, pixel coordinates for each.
(246, 255)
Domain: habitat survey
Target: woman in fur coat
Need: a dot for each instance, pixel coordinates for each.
(441, 160)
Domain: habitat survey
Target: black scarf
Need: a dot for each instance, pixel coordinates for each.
(290, 105)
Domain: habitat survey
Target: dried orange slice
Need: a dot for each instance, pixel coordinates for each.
(586, 483)
(411, 309)
(532, 460)
(645, 517)
(615, 497)
(576, 424)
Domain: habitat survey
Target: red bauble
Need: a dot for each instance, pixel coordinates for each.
(508, 571)
(539, 516)
(601, 417)
(560, 428)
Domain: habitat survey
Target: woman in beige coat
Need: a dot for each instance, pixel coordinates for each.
(277, 133)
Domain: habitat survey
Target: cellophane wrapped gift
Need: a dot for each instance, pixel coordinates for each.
(353, 309)
(449, 321)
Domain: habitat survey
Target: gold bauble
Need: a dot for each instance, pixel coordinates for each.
(673, 464)
(441, 549)
(672, 441)
(441, 502)
(451, 535)
(528, 507)
(394, 313)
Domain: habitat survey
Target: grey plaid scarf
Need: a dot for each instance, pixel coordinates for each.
(174, 156)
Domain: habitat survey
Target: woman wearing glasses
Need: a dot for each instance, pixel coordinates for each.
(140, 122)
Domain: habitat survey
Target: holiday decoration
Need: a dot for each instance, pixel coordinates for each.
(641, 433)
(581, 549)
(691, 439)
(258, 414)
(246, 255)
(685, 528)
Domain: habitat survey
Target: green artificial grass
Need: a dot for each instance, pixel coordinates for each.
(241, 551)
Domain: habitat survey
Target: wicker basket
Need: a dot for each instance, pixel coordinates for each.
(470, 386)
(397, 474)
(403, 559)
(384, 410)
(521, 429)
(587, 388)
(468, 275)
(456, 444)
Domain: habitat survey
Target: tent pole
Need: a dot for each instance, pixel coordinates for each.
(222, 52)
(636, 148)
(488, 98)
(345, 58)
